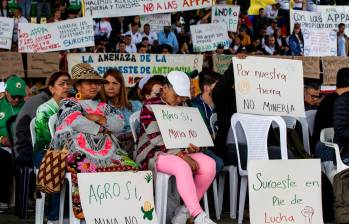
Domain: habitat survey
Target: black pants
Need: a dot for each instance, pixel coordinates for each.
(6, 175)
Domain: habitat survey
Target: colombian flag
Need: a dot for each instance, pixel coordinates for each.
(257, 4)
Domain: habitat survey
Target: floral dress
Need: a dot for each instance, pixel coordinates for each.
(89, 150)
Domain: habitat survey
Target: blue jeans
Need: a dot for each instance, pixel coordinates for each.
(217, 159)
(26, 7)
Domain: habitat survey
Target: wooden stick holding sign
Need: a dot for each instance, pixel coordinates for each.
(181, 126)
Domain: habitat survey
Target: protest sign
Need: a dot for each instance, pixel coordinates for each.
(6, 31)
(117, 197)
(109, 8)
(63, 35)
(311, 66)
(156, 21)
(11, 63)
(285, 191)
(307, 20)
(135, 66)
(206, 37)
(228, 14)
(221, 63)
(330, 67)
(319, 42)
(42, 64)
(181, 126)
(334, 15)
(269, 86)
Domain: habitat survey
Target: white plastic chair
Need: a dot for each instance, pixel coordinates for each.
(310, 116)
(51, 124)
(291, 123)
(233, 181)
(134, 121)
(256, 129)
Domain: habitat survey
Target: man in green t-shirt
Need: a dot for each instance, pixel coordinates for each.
(10, 104)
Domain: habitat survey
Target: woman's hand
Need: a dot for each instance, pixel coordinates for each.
(193, 148)
(101, 120)
(191, 162)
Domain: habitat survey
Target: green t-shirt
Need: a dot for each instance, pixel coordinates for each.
(7, 111)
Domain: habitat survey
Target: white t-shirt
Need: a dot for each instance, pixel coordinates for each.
(284, 4)
(151, 37)
(270, 31)
(131, 48)
(271, 14)
(136, 37)
(102, 27)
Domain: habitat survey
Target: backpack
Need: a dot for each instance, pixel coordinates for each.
(341, 196)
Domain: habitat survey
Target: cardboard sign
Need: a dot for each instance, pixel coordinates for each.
(226, 14)
(156, 21)
(221, 63)
(311, 66)
(320, 42)
(117, 197)
(285, 191)
(181, 126)
(42, 64)
(11, 63)
(135, 66)
(6, 31)
(330, 66)
(63, 35)
(206, 37)
(269, 86)
(101, 9)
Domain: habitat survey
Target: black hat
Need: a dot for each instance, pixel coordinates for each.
(342, 78)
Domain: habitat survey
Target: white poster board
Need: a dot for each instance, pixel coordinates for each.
(156, 21)
(228, 14)
(101, 9)
(63, 35)
(117, 197)
(307, 20)
(269, 86)
(320, 42)
(285, 191)
(334, 15)
(181, 126)
(206, 37)
(135, 66)
(6, 32)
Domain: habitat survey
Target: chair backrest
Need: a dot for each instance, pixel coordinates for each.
(32, 131)
(327, 135)
(134, 124)
(213, 124)
(310, 116)
(51, 124)
(291, 123)
(256, 129)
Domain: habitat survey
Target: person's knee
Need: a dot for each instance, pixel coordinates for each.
(208, 166)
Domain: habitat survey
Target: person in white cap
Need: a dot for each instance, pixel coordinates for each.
(194, 171)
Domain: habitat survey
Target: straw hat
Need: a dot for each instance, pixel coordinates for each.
(85, 71)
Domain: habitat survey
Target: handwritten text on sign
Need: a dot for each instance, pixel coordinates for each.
(156, 21)
(285, 191)
(117, 197)
(6, 31)
(269, 86)
(68, 34)
(181, 126)
(135, 66)
(226, 14)
(320, 42)
(206, 37)
(110, 8)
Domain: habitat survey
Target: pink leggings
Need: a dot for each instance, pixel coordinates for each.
(191, 188)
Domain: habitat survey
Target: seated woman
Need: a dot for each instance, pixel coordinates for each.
(114, 92)
(194, 171)
(87, 127)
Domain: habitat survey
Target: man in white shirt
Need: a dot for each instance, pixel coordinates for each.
(272, 11)
(271, 29)
(130, 47)
(150, 35)
(342, 41)
(284, 4)
(102, 28)
(19, 18)
(135, 35)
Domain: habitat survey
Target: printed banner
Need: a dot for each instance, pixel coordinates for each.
(311, 67)
(110, 8)
(206, 37)
(42, 64)
(221, 63)
(181, 126)
(156, 21)
(6, 31)
(117, 197)
(64, 35)
(226, 14)
(269, 86)
(330, 66)
(285, 191)
(11, 63)
(135, 66)
(319, 42)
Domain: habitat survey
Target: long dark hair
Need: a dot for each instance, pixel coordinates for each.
(2, 9)
(300, 34)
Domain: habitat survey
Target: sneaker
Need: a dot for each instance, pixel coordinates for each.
(181, 215)
(202, 218)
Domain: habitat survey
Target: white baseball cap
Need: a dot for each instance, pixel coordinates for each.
(143, 81)
(180, 83)
(2, 87)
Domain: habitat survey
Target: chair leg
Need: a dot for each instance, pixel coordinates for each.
(25, 194)
(215, 198)
(221, 182)
(61, 202)
(40, 209)
(72, 219)
(233, 178)
(243, 189)
(207, 211)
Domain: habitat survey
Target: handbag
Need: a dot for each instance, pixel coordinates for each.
(51, 173)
